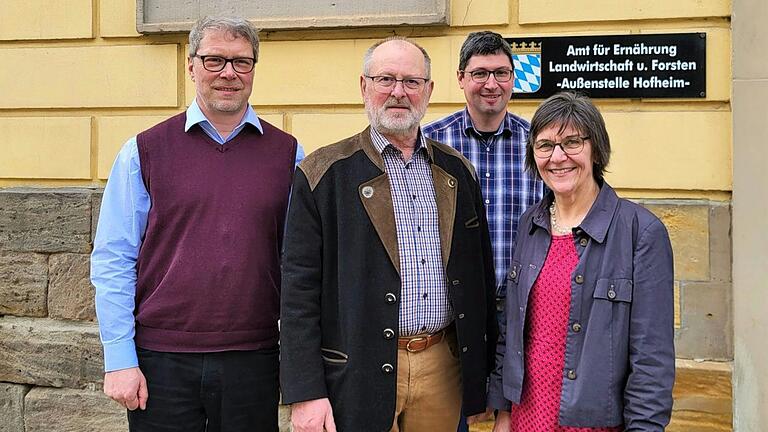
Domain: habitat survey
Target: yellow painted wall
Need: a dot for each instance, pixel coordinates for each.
(77, 80)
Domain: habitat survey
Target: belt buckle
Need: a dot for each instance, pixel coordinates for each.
(416, 339)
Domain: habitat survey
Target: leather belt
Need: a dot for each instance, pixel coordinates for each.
(414, 344)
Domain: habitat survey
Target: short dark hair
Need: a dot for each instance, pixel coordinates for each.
(483, 43)
(236, 26)
(576, 110)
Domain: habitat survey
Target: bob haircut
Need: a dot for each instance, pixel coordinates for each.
(566, 109)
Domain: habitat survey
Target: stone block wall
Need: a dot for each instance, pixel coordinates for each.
(50, 355)
(51, 364)
(51, 359)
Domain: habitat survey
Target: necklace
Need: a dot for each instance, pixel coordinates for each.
(553, 220)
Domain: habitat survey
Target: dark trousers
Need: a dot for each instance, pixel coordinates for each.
(500, 315)
(229, 391)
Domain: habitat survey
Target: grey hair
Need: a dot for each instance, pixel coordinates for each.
(369, 54)
(235, 26)
(483, 43)
(566, 109)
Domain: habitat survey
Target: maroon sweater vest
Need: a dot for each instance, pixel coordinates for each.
(209, 266)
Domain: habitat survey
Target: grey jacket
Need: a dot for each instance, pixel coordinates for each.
(619, 355)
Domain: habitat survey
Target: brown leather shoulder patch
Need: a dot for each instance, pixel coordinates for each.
(316, 164)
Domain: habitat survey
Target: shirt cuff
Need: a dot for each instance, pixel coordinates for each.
(498, 402)
(120, 355)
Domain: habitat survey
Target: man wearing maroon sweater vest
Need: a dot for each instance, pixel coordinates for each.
(186, 256)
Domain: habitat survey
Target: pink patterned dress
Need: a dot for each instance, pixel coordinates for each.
(546, 328)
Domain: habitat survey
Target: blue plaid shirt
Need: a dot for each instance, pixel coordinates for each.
(424, 304)
(507, 188)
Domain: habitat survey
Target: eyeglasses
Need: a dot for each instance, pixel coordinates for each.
(571, 145)
(482, 75)
(385, 83)
(241, 65)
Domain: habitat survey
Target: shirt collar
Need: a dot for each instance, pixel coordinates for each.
(597, 220)
(380, 142)
(195, 116)
(468, 127)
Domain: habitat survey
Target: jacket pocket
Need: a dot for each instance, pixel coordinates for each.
(333, 356)
(615, 290)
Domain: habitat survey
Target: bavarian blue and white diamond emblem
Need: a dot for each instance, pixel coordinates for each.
(527, 72)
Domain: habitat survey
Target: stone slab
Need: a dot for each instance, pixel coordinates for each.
(550, 11)
(12, 407)
(45, 19)
(23, 284)
(703, 397)
(749, 32)
(637, 142)
(471, 13)
(284, 418)
(720, 256)
(117, 18)
(70, 293)
(28, 143)
(95, 211)
(688, 226)
(706, 330)
(102, 76)
(45, 220)
(163, 16)
(48, 352)
(66, 410)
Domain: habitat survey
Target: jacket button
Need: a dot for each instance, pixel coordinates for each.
(390, 298)
(583, 241)
(455, 282)
(464, 349)
(576, 327)
(461, 316)
(571, 374)
(611, 294)
(579, 279)
(387, 368)
(389, 333)
(513, 274)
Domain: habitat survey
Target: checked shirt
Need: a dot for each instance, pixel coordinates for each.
(424, 307)
(507, 189)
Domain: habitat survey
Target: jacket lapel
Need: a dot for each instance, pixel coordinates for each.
(445, 196)
(376, 196)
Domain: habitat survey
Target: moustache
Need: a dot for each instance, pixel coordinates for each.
(396, 104)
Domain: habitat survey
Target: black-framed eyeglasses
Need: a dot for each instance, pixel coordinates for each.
(571, 145)
(386, 83)
(482, 75)
(213, 63)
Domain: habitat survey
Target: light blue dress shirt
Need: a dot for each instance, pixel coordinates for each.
(122, 223)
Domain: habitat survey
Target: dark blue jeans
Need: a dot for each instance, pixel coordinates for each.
(233, 391)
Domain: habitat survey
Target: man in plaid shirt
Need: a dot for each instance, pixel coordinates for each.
(494, 141)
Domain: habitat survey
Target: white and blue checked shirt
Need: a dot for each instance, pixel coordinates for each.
(507, 189)
(424, 303)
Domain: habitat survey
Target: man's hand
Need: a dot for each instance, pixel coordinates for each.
(479, 418)
(312, 416)
(502, 422)
(128, 387)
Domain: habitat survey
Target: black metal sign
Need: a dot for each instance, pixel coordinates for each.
(627, 66)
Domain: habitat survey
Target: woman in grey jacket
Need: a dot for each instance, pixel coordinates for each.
(588, 340)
